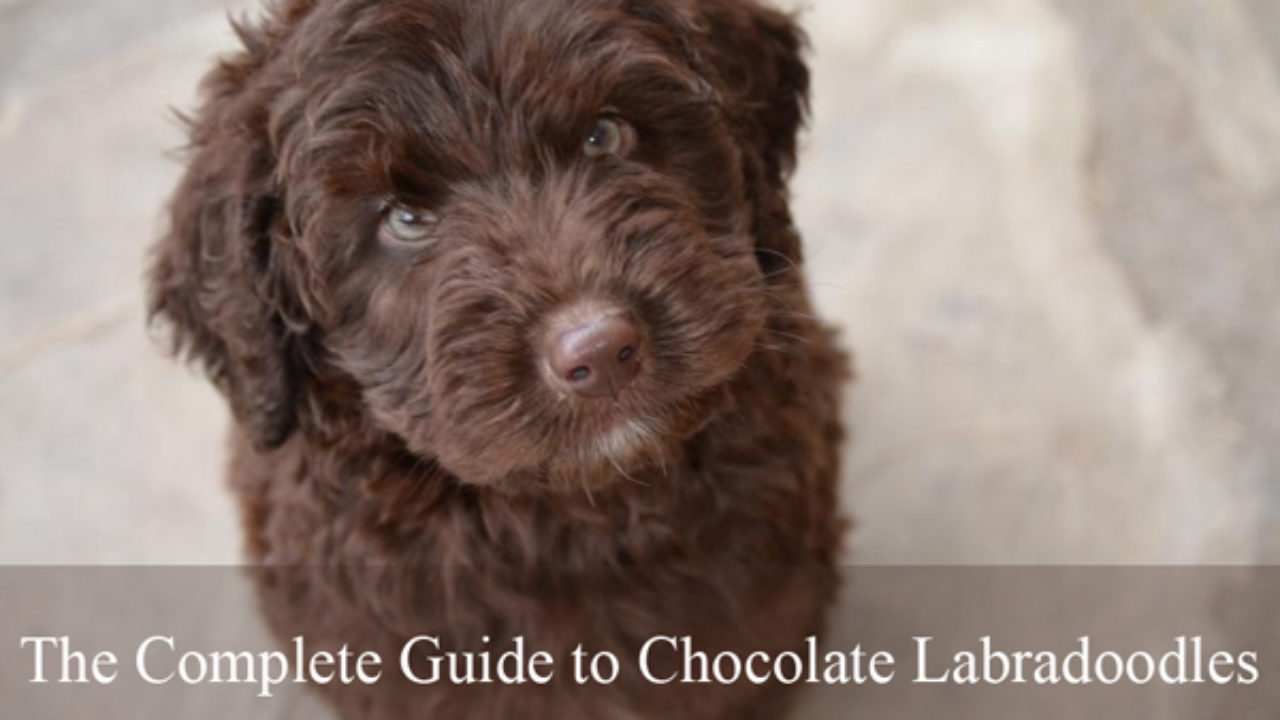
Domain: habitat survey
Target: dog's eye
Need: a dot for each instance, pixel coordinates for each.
(611, 136)
(409, 226)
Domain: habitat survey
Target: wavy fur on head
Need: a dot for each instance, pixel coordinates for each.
(403, 463)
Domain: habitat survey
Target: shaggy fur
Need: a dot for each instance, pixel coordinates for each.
(403, 466)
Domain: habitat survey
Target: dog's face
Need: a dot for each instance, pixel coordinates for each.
(527, 234)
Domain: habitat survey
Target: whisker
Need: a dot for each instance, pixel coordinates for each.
(789, 336)
(586, 489)
(791, 263)
(624, 473)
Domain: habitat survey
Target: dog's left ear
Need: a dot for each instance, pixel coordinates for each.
(751, 56)
(216, 275)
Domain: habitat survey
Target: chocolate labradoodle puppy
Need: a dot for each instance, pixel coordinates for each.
(507, 303)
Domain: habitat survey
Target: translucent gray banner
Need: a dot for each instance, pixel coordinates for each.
(903, 642)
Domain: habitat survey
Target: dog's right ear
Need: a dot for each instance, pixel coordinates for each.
(216, 275)
(751, 57)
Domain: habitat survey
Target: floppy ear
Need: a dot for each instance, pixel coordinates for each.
(752, 56)
(215, 275)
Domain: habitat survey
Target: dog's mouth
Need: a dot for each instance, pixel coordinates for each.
(628, 448)
(570, 445)
(633, 442)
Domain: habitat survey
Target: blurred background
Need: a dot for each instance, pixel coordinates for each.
(1050, 231)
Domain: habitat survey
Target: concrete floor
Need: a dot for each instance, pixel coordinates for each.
(1050, 229)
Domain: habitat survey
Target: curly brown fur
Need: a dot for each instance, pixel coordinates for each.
(403, 464)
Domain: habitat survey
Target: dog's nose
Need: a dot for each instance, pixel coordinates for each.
(597, 358)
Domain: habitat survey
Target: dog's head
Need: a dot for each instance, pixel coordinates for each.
(524, 238)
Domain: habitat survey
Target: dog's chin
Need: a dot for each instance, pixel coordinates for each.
(633, 449)
(629, 451)
(622, 452)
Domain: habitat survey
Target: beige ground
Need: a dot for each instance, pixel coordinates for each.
(1051, 231)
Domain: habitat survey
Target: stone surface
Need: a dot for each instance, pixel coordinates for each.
(1049, 230)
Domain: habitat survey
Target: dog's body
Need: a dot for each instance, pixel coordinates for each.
(494, 382)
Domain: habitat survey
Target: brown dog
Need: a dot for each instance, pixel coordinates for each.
(507, 303)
